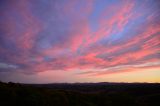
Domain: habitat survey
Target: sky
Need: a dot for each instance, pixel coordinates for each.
(47, 41)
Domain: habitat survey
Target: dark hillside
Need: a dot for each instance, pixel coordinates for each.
(80, 94)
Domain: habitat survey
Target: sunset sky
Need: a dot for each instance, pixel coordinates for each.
(45, 41)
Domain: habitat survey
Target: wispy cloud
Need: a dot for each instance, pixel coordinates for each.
(7, 66)
(120, 68)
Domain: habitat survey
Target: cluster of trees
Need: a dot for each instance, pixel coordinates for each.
(12, 94)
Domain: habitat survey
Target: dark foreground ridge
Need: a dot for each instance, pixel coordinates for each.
(80, 94)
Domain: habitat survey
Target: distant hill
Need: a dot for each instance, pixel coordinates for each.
(80, 94)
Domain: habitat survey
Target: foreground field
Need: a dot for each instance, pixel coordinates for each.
(80, 94)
